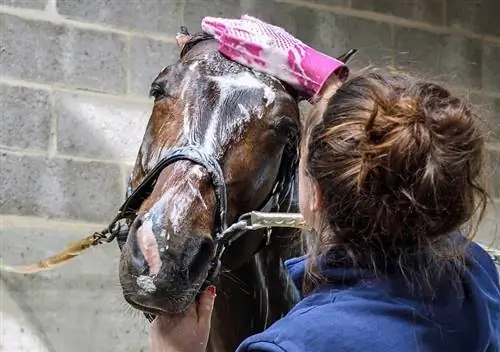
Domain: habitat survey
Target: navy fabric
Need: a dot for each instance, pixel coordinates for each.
(379, 315)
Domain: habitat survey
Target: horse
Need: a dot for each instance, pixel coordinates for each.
(222, 140)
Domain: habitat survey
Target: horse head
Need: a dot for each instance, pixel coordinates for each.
(220, 142)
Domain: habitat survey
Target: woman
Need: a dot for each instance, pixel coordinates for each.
(390, 171)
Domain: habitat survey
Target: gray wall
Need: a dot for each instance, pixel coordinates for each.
(74, 83)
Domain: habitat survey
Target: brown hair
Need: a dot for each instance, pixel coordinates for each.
(399, 163)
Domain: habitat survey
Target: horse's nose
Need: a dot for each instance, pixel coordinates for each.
(191, 253)
(145, 255)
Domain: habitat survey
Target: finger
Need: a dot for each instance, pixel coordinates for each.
(206, 305)
(235, 53)
(237, 36)
(261, 23)
(217, 25)
(160, 324)
(192, 309)
(213, 26)
(251, 18)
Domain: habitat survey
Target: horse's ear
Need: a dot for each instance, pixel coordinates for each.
(182, 37)
(347, 56)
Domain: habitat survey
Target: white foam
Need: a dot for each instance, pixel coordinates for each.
(244, 111)
(146, 283)
(244, 80)
(228, 84)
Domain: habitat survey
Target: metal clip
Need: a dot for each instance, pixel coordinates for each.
(259, 220)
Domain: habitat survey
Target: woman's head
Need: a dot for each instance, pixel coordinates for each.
(391, 163)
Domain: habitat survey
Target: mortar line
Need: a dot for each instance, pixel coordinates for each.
(8, 150)
(182, 10)
(392, 31)
(21, 221)
(51, 8)
(494, 147)
(85, 159)
(483, 93)
(386, 18)
(444, 18)
(70, 89)
(124, 175)
(42, 15)
(52, 150)
(42, 153)
(128, 59)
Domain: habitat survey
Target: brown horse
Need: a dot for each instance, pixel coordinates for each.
(221, 141)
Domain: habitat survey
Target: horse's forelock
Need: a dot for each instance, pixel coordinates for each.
(193, 40)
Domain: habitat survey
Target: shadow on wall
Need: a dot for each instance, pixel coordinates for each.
(77, 306)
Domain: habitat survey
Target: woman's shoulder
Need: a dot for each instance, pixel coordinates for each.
(325, 319)
(360, 319)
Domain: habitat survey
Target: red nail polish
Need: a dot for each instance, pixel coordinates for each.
(211, 290)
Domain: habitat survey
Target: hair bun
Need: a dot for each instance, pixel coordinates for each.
(396, 146)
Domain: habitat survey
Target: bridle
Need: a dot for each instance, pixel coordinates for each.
(223, 235)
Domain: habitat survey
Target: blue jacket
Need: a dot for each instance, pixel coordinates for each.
(378, 315)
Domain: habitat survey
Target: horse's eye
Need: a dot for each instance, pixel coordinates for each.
(158, 91)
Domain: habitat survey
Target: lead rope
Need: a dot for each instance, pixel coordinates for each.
(70, 251)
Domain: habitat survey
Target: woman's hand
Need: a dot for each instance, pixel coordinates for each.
(188, 333)
(271, 49)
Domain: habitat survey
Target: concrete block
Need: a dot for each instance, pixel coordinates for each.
(161, 16)
(335, 34)
(77, 306)
(491, 67)
(480, 16)
(195, 10)
(17, 334)
(45, 52)
(297, 20)
(99, 127)
(59, 188)
(148, 58)
(450, 58)
(25, 117)
(488, 110)
(489, 229)
(429, 11)
(494, 166)
(30, 49)
(31, 4)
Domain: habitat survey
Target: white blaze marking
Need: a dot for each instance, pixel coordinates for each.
(227, 85)
(244, 111)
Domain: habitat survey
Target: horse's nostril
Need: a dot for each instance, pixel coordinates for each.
(197, 256)
(138, 260)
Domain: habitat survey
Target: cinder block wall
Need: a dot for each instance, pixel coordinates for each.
(73, 93)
